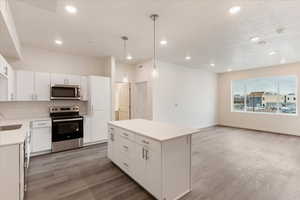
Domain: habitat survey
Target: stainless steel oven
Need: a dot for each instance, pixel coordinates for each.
(67, 128)
(65, 92)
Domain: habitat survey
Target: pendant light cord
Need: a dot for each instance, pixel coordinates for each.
(125, 49)
(154, 17)
(125, 38)
(154, 43)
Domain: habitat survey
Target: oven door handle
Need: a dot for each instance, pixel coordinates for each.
(67, 120)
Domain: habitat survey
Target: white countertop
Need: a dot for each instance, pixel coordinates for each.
(155, 130)
(12, 137)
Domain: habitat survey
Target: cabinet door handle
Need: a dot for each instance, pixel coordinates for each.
(125, 134)
(125, 164)
(112, 137)
(143, 153)
(147, 154)
(145, 142)
(126, 147)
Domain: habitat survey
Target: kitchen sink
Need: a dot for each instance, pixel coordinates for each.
(10, 127)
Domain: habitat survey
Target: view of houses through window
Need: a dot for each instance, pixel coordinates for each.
(269, 95)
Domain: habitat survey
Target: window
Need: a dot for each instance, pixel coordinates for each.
(265, 95)
(238, 90)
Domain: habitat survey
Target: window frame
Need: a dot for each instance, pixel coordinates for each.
(263, 113)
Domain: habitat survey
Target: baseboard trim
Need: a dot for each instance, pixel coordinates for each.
(93, 143)
(258, 130)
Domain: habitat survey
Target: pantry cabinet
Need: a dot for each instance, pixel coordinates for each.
(99, 109)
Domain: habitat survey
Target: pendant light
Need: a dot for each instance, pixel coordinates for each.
(154, 17)
(126, 54)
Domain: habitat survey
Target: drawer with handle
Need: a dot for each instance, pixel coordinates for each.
(125, 165)
(150, 143)
(126, 134)
(41, 124)
(126, 147)
(112, 132)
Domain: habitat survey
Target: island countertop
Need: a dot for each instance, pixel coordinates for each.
(153, 129)
(12, 137)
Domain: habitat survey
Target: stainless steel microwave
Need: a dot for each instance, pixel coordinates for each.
(65, 92)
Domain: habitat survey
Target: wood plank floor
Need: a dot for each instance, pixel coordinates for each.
(227, 164)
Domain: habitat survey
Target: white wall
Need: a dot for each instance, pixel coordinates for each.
(265, 122)
(34, 109)
(41, 60)
(124, 70)
(185, 96)
(143, 74)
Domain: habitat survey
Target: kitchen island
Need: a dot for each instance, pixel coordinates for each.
(155, 154)
(13, 134)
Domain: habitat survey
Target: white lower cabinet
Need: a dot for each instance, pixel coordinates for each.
(40, 136)
(12, 172)
(161, 167)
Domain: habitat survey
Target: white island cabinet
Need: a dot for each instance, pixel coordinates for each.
(156, 155)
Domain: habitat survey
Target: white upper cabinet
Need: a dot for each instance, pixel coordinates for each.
(84, 88)
(11, 93)
(36, 86)
(7, 85)
(74, 79)
(3, 67)
(32, 86)
(59, 79)
(42, 86)
(25, 85)
(65, 79)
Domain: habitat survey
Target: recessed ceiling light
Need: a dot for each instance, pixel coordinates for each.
(58, 42)
(280, 30)
(188, 57)
(235, 10)
(272, 53)
(71, 9)
(163, 42)
(282, 61)
(229, 70)
(129, 57)
(254, 39)
(125, 79)
(212, 64)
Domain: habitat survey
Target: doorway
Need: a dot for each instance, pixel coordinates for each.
(123, 101)
(140, 100)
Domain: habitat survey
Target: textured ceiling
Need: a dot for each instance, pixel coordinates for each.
(201, 28)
